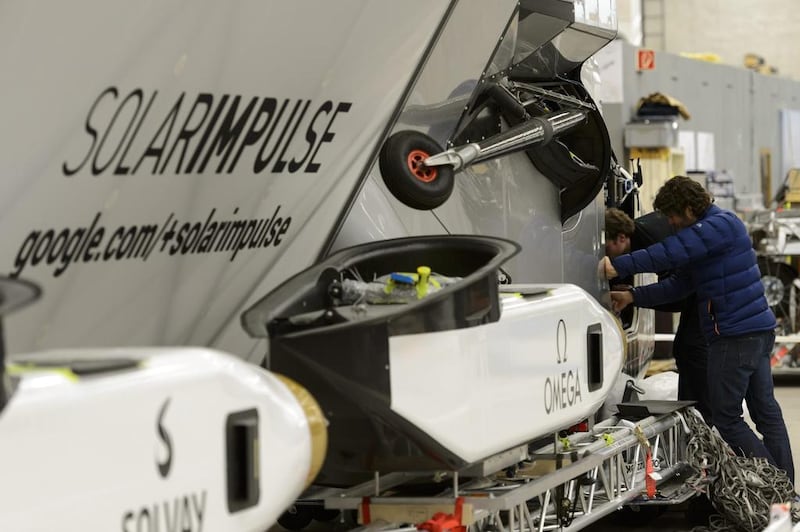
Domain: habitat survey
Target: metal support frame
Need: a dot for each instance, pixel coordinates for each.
(596, 474)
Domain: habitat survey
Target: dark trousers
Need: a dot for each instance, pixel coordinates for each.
(690, 351)
(739, 369)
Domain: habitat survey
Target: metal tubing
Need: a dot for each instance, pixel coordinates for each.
(650, 427)
(545, 504)
(539, 130)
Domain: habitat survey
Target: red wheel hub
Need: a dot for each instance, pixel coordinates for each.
(416, 164)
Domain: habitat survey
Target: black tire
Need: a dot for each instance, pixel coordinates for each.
(418, 187)
(295, 518)
(777, 278)
(699, 510)
(322, 515)
(635, 516)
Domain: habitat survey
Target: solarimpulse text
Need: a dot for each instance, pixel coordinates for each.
(279, 135)
(61, 248)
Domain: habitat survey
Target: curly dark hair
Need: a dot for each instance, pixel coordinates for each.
(681, 192)
(618, 223)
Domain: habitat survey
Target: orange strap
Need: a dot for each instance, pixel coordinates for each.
(365, 510)
(649, 481)
(441, 522)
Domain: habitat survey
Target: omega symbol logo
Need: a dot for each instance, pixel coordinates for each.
(561, 342)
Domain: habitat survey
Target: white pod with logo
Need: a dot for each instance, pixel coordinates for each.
(443, 381)
(548, 363)
(142, 440)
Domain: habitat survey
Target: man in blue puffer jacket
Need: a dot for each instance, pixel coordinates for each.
(720, 266)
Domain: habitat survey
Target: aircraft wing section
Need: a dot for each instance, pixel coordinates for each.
(165, 160)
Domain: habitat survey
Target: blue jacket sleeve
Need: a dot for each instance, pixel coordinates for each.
(698, 241)
(673, 288)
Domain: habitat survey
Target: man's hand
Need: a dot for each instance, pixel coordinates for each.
(620, 300)
(605, 270)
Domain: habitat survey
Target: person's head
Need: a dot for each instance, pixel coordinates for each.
(682, 200)
(619, 230)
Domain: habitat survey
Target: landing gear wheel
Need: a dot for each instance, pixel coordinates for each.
(295, 518)
(777, 278)
(407, 178)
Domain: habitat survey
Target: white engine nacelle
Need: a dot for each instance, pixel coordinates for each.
(144, 440)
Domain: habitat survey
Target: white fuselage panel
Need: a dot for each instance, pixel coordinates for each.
(481, 390)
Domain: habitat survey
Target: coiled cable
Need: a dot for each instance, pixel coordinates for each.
(742, 490)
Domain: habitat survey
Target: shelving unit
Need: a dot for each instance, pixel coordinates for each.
(658, 165)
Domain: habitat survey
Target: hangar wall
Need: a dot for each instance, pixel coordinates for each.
(741, 108)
